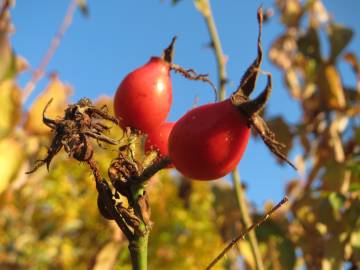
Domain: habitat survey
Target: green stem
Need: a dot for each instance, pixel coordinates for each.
(220, 59)
(139, 242)
(138, 252)
(244, 211)
(240, 193)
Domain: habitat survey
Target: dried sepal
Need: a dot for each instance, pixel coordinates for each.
(131, 219)
(252, 108)
(116, 198)
(191, 74)
(168, 53)
(121, 171)
(268, 137)
(54, 148)
(81, 122)
(248, 81)
(80, 148)
(143, 202)
(47, 121)
(104, 208)
(107, 203)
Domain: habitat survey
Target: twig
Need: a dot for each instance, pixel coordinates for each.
(152, 170)
(242, 235)
(39, 72)
(222, 75)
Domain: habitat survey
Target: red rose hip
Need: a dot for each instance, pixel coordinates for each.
(209, 141)
(143, 99)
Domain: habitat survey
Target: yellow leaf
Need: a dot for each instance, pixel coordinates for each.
(353, 61)
(330, 87)
(10, 106)
(5, 48)
(106, 258)
(20, 64)
(11, 157)
(246, 253)
(55, 90)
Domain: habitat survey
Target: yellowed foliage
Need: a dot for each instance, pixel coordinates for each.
(10, 106)
(11, 157)
(331, 91)
(107, 257)
(55, 90)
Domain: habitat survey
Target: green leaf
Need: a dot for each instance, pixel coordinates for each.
(278, 247)
(339, 37)
(336, 201)
(354, 187)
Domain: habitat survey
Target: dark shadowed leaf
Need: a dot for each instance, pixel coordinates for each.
(83, 6)
(309, 44)
(282, 132)
(333, 177)
(282, 49)
(333, 257)
(339, 37)
(174, 2)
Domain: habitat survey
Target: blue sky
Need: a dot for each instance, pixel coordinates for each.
(119, 36)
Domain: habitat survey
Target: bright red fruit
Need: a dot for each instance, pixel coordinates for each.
(159, 138)
(144, 97)
(209, 141)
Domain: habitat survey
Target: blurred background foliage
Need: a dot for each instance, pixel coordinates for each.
(50, 220)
